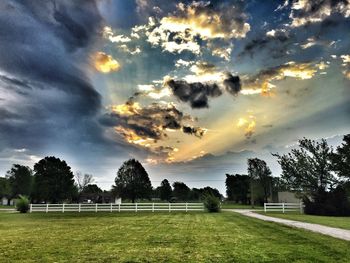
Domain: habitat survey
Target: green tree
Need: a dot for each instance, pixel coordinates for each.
(341, 158)
(238, 188)
(5, 188)
(259, 171)
(165, 190)
(307, 170)
(132, 181)
(53, 180)
(20, 178)
(181, 191)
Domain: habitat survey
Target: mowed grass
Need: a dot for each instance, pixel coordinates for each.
(160, 237)
(228, 205)
(332, 221)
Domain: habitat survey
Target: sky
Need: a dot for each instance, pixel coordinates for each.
(192, 89)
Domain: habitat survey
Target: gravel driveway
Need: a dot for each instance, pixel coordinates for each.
(325, 230)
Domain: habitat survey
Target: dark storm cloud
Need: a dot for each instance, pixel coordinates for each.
(276, 42)
(148, 122)
(44, 50)
(197, 94)
(232, 84)
(196, 131)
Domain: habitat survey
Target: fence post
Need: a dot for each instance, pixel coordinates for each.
(186, 207)
(118, 207)
(79, 208)
(169, 207)
(283, 208)
(30, 208)
(265, 207)
(47, 208)
(301, 207)
(96, 208)
(136, 207)
(111, 207)
(152, 207)
(62, 208)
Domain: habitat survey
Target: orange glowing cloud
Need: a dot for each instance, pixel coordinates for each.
(248, 125)
(105, 63)
(261, 82)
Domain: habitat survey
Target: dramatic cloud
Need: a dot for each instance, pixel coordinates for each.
(105, 63)
(277, 42)
(197, 94)
(346, 65)
(108, 33)
(146, 125)
(232, 84)
(262, 81)
(196, 131)
(44, 86)
(124, 43)
(180, 31)
(310, 11)
(248, 125)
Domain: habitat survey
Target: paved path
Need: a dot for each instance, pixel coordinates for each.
(325, 230)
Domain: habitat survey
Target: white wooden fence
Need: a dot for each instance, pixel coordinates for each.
(283, 207)
(130, 207)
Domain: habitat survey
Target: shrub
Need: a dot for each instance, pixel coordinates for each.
(333, 203)
(22, 204)
(212, 203)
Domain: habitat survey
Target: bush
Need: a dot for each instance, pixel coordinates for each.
(212, 203)
(334, 203)
(22, 204)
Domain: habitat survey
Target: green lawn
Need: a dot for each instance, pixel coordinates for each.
(160, 237)
(333, 221)
(7, 206)
(228, 205)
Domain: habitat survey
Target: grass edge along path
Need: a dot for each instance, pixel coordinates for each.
(331, 221)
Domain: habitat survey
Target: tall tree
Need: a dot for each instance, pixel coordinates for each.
(132, 181)
(341, 158)
(53, 180)
(181, 191)
(20, 178)
(238, 188)
(83, 180)
(258, 170)
(5, 188)
(165, 190)
(307, 170)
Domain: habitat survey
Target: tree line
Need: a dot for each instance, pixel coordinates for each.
(52, 181)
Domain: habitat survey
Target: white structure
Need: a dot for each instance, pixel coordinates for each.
(287, 197)
(5, 201)
(117, 200)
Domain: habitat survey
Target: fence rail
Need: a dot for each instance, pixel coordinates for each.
(130, 207)
(284, 207)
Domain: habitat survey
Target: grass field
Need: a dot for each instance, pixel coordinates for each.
(340, 222)
(229, 205)
(7, 206)
(159, 237)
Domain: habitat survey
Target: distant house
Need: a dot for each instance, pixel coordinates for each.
(102, 197)
(7, 201)
(287, 197)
